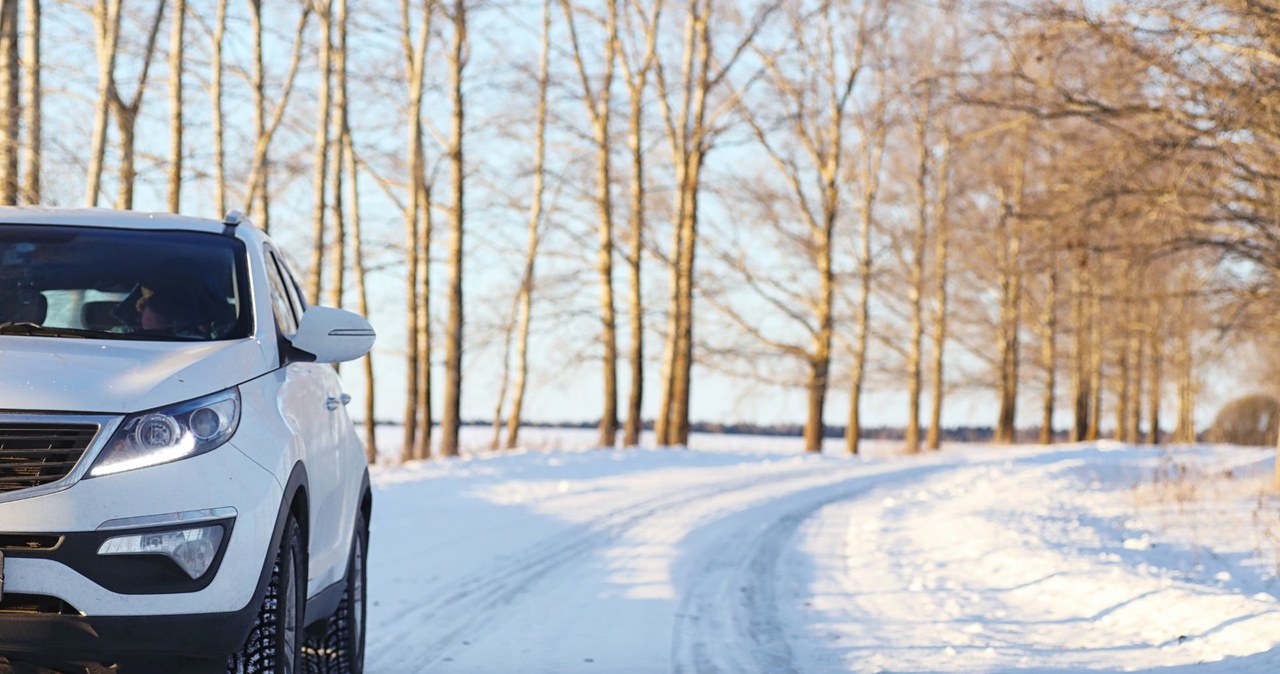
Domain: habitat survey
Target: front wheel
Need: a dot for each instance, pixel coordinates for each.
(274, 644)
(341, 651)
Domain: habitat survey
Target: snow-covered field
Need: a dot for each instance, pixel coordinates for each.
(740, 555)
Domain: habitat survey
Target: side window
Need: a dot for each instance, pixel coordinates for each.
(296, 297)
(280, 303)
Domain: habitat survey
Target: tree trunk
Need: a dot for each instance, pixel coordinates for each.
(320, 170)
(256, 198)
(874, 141)
(423, 318)
(415, 55)
(1155, 396)
(1185, 431)
(1097, 363)
(597, 101)
(853, 431)
(107, 39)
(1049, 352)
(1137, 347)
(1080, 320)
(820, 364)
(691, 145)
(126, 116)
(261, 206)
(1123, 382)
(662, 425)
(604, 257)
(508, 333)
(215, 92)
(531, 247)
(33, 110)
(451, 417)
(942, 245)
(126, 121)
(683, 384)
(362, 293)
(915, 284)
(637, 83)
(338, 246)
(1011, 230)
(635, 399)
(177, 44)
(10, 90)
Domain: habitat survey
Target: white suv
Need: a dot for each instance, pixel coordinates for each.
(181, 489)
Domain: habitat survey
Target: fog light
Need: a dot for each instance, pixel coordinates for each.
(191, 549)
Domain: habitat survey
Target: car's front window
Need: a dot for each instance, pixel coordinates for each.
(61, 281)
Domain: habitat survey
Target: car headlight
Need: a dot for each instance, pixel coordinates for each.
(171, 433)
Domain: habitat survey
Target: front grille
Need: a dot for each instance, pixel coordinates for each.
(35, 454)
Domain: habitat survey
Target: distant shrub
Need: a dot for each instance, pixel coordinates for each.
(1251, 420)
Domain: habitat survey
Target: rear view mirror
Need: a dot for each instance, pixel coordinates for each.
(333, 335)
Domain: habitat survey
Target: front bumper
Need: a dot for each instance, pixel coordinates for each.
(106, 615)
(194, 643)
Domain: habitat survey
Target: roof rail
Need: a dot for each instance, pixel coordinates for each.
(230, 221)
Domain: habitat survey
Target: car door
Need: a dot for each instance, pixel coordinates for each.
(329, 544)
(305, 401)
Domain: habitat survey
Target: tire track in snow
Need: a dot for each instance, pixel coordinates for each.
(429, 632)
(728, 621)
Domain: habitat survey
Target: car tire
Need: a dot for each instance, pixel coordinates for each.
(341, 651)
(275, 642)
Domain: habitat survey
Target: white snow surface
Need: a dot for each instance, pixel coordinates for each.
(742, 555)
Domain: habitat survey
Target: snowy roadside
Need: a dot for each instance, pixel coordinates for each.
(743, 556)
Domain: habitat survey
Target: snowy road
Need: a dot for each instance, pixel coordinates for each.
(694, 562)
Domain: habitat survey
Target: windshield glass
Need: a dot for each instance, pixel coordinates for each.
(59, 281)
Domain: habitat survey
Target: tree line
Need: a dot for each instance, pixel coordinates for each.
(1062, 203)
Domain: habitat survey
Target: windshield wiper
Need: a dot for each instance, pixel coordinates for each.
(37, 330)
(30, 329)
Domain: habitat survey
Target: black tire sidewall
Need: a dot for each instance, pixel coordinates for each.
(293, 557)
(355, 646)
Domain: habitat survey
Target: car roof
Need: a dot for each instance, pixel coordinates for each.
(106, 217)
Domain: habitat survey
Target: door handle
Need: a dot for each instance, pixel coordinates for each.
(334, 402)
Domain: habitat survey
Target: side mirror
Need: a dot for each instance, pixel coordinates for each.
(333, 335)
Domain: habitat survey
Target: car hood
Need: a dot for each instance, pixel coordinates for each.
(52, 374)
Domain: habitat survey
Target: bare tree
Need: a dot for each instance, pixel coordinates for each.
(451, 417)
(215, 93)
(813, 120)
(10, 90)
(33, 110)
(874, 127)
(1010, 233)
(922, 123)
(265, 126)
(1049, 349)
(341, 122)
(525, 298)
(941, 276)
(362, 291)
(691, 129)
(258, 202)
(597, 99)
(636, 70)
(415, 445)
(320, 175)
(177, 56)
(126, 114)
(106, 21)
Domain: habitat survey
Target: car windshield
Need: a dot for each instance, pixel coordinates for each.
(60, 281)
